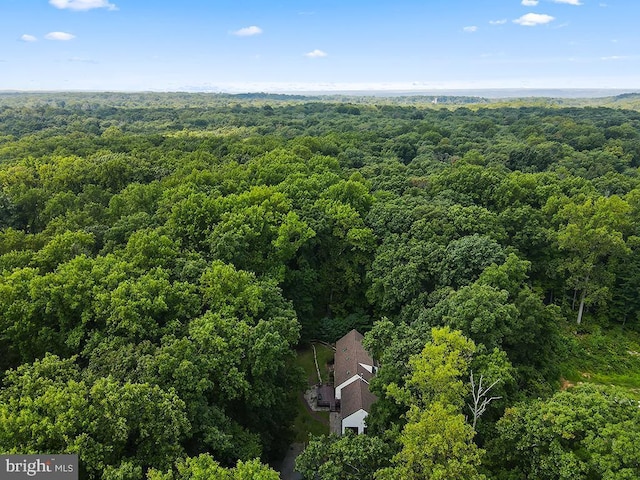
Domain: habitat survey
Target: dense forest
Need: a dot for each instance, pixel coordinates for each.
(162, 257)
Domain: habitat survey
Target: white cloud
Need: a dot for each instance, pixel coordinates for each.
(614, 57)
(81, 5)
(28, 38)
(315, 54)
(530, 3)
(568, 2)
(62, 36)
(470, 29)
(533, 19)
(248, 31)
(498, 22)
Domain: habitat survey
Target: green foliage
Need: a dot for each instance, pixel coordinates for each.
(436, 444)
(323, 355)
(607, 358)
(465, 258)
(500, 310)
(63, 248)
(437, 372)
(480, 311)
(164, 255)
(48, 406)
(330, 329)
(584, 432)
(204, 467)
(351, 457)
(436, 441)
(593, 236)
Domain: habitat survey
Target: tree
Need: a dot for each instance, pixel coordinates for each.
(401, 271)
(465, 258)
(437, 372)
(204, 467)
(392, 345)
(592, 233)
(257, 231)
(49, 406)
(480, 311)
(437, 444)
(350, 457)
(532, 339)
(480, 397)
(625, 303)
(436, 441)
(585, 432)
(148, 307)
(334, 262)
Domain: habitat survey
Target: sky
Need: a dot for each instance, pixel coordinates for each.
(318, 45)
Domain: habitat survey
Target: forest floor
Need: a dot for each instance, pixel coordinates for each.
(307, 421)
(305, 359)
(609, 357)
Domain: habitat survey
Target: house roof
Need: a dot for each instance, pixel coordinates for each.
(349, 358)
(356, 396)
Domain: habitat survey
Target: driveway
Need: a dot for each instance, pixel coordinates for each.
(288, 464)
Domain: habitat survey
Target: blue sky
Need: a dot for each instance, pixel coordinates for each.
(288, 45)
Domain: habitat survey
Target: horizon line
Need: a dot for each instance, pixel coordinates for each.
(482, 92)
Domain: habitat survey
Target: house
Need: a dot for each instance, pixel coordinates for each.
(353, 369)
(355, 406)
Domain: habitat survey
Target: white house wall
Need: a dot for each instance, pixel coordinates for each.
(368, 368)
(355, 420)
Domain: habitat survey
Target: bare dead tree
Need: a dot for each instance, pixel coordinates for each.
(481, 400)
